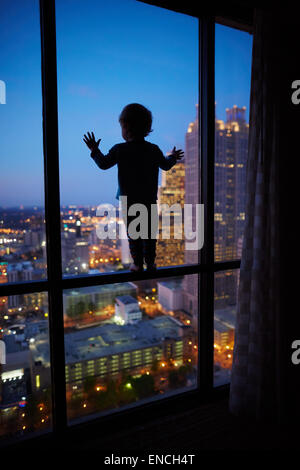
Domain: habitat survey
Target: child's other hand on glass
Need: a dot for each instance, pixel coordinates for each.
(90, 141)
(178, 154)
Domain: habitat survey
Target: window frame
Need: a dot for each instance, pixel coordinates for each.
(206, 267)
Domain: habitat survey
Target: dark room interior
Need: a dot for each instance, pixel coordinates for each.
(197, 349)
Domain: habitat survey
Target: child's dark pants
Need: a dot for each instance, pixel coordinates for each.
(144, 249)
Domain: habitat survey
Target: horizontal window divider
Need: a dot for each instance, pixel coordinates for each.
(25, 287)
(69, 282)
(227, 265)
(86, 280)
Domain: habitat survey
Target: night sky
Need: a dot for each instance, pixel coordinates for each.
(110, 53)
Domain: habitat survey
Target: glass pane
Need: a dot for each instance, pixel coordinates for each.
(138, 53)
(129, 343)
(232, 75)
(22, 227)
(25, 379)
(226, 289)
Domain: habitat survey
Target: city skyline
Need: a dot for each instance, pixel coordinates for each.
(124, 342)
(93, 99)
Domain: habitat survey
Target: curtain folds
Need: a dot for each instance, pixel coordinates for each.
(257, 361)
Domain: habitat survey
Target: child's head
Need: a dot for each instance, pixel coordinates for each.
(136, 121)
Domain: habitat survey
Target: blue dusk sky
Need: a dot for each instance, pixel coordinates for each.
(109, 54)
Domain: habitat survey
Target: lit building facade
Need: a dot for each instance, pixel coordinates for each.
(170, 252)
(127, 309)
(192, 192)
(231, 149)
(109, 350)
(99, 296)
(75, 250)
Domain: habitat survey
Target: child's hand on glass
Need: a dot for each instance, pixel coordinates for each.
(90, 141)
(178, 154)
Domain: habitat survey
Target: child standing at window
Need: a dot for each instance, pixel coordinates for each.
(138, 164)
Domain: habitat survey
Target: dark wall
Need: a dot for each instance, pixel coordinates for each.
(287, 26)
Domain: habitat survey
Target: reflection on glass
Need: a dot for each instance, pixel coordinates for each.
(233, 71)
(129, 342)
(22, 228)
(160, 71)
(25, 381)
(225, 304)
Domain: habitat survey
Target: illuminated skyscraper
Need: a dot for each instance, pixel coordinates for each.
(192, 177)
(231, 147)
(170, 251)
(192, 191)
(75, 250)
(16, 272)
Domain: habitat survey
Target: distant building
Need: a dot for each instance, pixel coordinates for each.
(21, 271)
(224, 325)
(15, 374)
(99, 296)
(18, 272)
(170, 252)
(110, 349)
(170, 294)
(127, 309)
(81, 250)
(75, 251)
(34, 238)
(192, 196)
(231, 150)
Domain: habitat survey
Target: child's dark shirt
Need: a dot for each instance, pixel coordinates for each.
(138, 165)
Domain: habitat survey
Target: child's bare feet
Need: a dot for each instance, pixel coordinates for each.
(135, 268)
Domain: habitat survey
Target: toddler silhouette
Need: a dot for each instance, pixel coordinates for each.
(138, 165)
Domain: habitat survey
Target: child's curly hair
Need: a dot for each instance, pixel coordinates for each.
(136, 119)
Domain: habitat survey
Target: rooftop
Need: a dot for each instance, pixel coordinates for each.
(126, 299)
(119, 286)
(226, 316)
(173, 284)
(110, 338)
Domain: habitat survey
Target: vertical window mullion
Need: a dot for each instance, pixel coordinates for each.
(206, 140)
(52, 212)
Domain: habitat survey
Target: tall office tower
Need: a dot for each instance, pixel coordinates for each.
(170, 252)
(75, 251)
(192, 191)
(81, 250)
(231, 147)
(17, 272)
(33, 238)
(67, 251)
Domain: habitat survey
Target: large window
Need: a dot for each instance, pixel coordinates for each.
(232, 95)
(128, 343)
(22, 228)
(226, 288)
(80, 335)
(25, 375)
(151, 58)
(25, 402)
